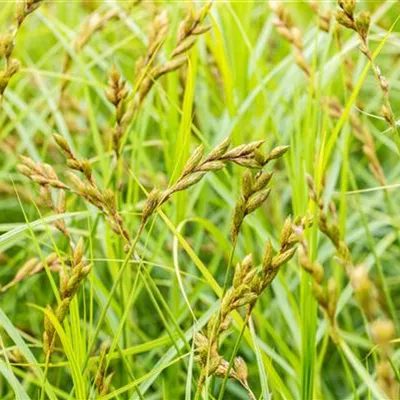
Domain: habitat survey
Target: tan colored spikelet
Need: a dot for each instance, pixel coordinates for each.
(164, 69)
(348, 6)
(278, 152)
(22, 273)
(77, 182)
(151, 204)
(243, 150)
(61, 202)
(324, 17)
(259, 157)
(43, 174)
(247, 184)
(262, 179)
(109, 200)
(256, 200)
(186, 45)
(286, 231)
(247, 162)
(196, 168)
(189, 181)
(7, 42)
(383, 331)
(365, 291)
(240, 368)
(24, 170)
(212, 166)
(194, 160)
(343, 19)
(78, 253)
(105, 388)
(362, 23)
(63, 144)
(238, 216)
(220, 150)
(283, 258)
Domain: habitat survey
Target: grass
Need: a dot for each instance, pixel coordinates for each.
(199, 200)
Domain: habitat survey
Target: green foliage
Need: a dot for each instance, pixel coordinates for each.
(199, 200)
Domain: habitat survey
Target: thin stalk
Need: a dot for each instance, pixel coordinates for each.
(224, 289)
(234, 352)
(46, 369)
(112, 291)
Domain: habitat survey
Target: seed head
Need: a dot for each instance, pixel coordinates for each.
(286, 232)
(277, 152)
(247, 184)
(283, 258)
(243, 150)
(188, 181)
(262, 179)
(343, 19)
(78, 253)
(13, 67)
(383, 331)
(348, 6)
(247, 162)
(362, 23)
(385, 112)
(256, 200)
(384, 84)
(63, 144)
(220, 150)
(193, 161)
(240, 368)
(211, 166)
(151, 204)
(6, 44)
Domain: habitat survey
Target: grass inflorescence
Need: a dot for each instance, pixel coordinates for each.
(199, 200)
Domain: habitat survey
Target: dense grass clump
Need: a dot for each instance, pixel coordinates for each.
(199, 200)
